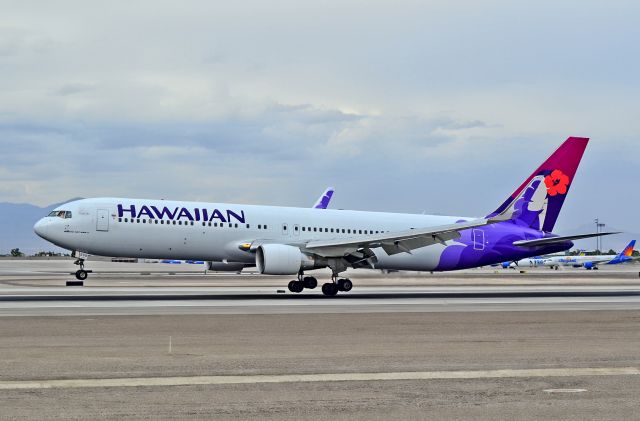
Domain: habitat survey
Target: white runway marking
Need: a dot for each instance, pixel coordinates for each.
(565, 390)
(315, 378)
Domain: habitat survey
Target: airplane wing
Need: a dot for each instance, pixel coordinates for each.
(394, 242)
(552, 240)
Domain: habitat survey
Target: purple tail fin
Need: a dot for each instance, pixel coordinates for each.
(537, 202)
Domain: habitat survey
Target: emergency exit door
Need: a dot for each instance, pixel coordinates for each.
(478, 239)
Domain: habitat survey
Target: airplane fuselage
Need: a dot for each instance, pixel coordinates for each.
(586, 261)
(162, 229)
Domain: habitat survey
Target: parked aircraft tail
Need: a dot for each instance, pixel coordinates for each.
(628, 251)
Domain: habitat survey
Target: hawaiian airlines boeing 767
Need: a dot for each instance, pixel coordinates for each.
(290, 241)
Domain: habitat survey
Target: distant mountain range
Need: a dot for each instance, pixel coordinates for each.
(17, 219)
(16, 228)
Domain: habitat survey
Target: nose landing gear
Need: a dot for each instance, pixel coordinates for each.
(81, 274)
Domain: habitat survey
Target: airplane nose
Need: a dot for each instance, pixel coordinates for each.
(40, 228)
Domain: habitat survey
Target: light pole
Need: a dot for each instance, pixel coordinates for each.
(601, 226)
(598, 239)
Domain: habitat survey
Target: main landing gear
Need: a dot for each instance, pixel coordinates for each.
(329, 289)
(81, 274)
(303, 282)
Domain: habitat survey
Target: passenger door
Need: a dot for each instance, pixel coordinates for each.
(102, 220)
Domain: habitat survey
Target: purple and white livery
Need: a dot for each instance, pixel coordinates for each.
(291, 241)
(323, 201)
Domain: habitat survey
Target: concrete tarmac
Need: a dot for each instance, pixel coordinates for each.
(478, 345)
(470, 351)
(37, 301)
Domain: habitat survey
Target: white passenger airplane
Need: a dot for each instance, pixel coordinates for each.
(289, 241)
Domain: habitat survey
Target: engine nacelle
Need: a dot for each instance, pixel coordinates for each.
(589, 265)
(281, 259)
(225, 266)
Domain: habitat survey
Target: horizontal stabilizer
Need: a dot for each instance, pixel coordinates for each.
(553, 240)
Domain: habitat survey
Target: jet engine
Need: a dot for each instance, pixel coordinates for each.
(282, 259)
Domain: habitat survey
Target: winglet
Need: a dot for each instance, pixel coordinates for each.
(323, 201)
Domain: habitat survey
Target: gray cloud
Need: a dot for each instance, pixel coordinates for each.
(73, 88)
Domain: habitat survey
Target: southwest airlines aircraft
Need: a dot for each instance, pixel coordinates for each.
(290, 241)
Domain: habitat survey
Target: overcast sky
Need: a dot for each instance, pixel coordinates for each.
(410, 106)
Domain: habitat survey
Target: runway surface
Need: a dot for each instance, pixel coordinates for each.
(481, 344)
(481, 365)
(250, 300)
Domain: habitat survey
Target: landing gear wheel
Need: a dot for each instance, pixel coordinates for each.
(345, 285)
(330, 289)
(81, 274)
(296, 286)
(310, 282)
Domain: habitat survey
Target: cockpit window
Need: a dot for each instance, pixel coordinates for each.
(60, 214)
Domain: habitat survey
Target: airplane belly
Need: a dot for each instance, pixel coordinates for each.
(423, 259)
